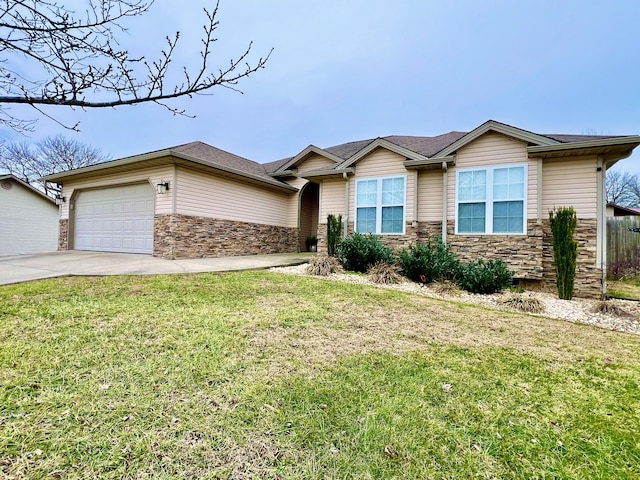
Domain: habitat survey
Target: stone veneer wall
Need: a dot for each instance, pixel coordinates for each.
(184, 236)
(588, 282)
(63, 235)
(530, 256)
(522, 253)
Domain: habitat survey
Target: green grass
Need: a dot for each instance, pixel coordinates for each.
(258, 375)
(626, 288)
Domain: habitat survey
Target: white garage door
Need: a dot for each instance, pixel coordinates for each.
(118, 219)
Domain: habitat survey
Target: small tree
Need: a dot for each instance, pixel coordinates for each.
(334, 233)
(565, 249)
(31, 162)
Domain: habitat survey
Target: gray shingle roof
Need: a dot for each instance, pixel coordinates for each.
(215, 156)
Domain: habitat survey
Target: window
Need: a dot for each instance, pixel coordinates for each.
(380, 205)
(491, 200)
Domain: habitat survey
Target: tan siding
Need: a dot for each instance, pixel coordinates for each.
(331, 198)
(315, 162)
(489, 150)
(430, 196)
(383, 163)
(294, 201)
(570, 182)
(153, 175)
(200, 194)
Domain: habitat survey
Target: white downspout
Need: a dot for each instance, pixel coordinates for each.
(601, 237)
(445, 176)
(345, 220)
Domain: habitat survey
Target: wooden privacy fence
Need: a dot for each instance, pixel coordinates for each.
(623, 246)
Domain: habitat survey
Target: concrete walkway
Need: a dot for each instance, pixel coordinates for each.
(24, 268)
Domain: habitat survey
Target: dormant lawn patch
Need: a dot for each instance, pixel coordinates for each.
(264, 375)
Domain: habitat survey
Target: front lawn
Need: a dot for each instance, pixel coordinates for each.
(263, 375)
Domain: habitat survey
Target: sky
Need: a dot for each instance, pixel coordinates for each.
(343, 71)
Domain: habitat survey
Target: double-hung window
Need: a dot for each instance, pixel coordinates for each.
(491, 200)
(380, 205)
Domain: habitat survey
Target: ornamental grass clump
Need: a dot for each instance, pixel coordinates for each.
(358, 252)
(385, 274)
(565, 249)
(610, 308)
(323, 265)
(523, 302)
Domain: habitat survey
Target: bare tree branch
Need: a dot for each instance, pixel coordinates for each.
(623, 188)
(73, 60)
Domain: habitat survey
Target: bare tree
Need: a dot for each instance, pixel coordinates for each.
(623, 188)
(73, 59)
(54, 154)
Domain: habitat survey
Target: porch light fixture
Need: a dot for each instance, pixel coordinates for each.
(162, 187)
(60, 199)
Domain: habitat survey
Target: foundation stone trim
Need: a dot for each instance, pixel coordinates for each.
(185, 236)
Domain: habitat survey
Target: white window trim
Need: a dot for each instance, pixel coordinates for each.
(489, 201)
(379, 205)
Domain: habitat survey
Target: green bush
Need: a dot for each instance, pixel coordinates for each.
(430, 262)
(485, 277)
(565, 249)
(334, 233)
(358, 252)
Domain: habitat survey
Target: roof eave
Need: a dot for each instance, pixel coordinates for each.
(58, 177)
(316, 174)
(430, 163)
(110, 164)
(621, 144)
(234, 171)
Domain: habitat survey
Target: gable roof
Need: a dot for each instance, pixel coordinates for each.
(195, 152)
(431, 151)
(420, 152)
(28, 187)
(310, 150)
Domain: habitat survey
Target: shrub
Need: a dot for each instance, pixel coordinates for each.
(430, 262)
(385, 273)
(334, 233)
(523, 303)
(565, 249)
(358, 253)
(323, 265)
(485, 277)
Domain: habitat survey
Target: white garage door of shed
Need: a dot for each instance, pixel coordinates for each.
(118, 219)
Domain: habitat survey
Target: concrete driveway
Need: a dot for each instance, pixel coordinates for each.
(24, 268)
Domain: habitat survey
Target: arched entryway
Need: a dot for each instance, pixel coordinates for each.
(308, 213)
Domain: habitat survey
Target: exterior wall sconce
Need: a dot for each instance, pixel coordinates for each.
(162, 187)
(60, 199)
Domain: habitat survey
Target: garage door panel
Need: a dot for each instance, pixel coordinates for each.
(118, 219)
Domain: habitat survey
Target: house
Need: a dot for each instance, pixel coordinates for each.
(614, 210)
(28, 220)
(487, 193)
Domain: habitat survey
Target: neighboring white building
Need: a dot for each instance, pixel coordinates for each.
(29, 219)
